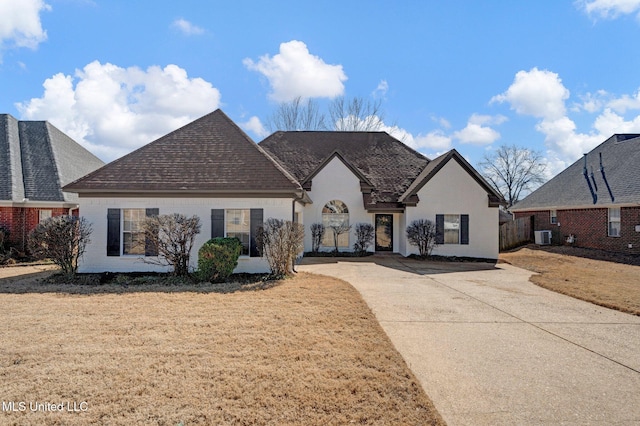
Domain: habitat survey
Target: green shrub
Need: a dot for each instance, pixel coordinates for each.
(217, 258)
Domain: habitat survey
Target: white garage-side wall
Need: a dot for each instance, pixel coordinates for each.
(94, 210)
(453, 191)
(335, 182)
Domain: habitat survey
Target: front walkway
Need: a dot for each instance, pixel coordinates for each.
(490, 348)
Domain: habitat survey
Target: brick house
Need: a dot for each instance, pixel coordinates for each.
(36, 161)
(596, 199)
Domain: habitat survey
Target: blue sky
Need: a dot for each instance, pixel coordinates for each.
(557, 77)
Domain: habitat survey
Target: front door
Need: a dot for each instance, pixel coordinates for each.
(384, 232)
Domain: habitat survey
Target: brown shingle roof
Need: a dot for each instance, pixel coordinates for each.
(388, 164)
(209, 154)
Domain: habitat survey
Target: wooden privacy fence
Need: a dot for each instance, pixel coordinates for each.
(515, 232)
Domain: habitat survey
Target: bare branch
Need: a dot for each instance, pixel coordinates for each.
(171, 238)
(513, 171)
(356, 114)
(297, 115)
(63, 239)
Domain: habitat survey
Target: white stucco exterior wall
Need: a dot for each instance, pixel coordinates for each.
(94, 210)
(335, 182)
(453, 191)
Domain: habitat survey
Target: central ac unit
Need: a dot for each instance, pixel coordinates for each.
(542, 237)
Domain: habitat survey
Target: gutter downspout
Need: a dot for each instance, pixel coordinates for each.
(605, 179)
(293, 220)
(586, 176)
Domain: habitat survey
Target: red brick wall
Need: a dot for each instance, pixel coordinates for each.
(590, 226)
(20, 221)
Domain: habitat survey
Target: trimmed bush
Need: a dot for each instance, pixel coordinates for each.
(422, 233)
(317, 235)
(364, 237)
(63, 239)
(217, 258)
(281, 241)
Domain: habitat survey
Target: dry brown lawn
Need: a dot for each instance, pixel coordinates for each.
(306, 351)
(610, 284)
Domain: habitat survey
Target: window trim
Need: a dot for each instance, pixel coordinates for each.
(226, 231)
(256, 221)
(48, 213)
(122, 232)
(328, 232)
(463, 230)
(617, 220)
(553, 217)
(115, 233)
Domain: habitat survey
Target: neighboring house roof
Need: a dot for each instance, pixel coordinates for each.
(37, 160)
(495, 199)
(385, 166)
(209, 155)
(569, 189)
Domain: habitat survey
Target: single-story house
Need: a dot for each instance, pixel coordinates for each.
(36, 161)
(212, 169)
(595, 202)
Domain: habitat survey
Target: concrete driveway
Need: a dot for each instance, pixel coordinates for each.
(490, 348)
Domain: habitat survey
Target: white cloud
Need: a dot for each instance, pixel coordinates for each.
(442, 122)
(255, 126)
(20, 24)
(294, 72)
(609, 9)
(625, 102)
(435, 140)
(477, 133)
(539, 93)
(186, 27)
(381, 89)
(113, 110)
(591, 102)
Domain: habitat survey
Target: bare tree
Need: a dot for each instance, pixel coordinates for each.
(356, 114)
(63, 239)
(297, 115)
(513, 170)
(171, 237)
(422, 233)
(317, 235)
(281, 241)
(338, 229)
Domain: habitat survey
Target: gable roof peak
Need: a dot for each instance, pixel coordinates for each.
(209, 154)
(438, 163)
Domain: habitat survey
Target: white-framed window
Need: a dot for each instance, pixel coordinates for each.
(553, 216)
(452, 229)
(614, 222)
(237, 224)
(44, 215)
(133, 241)
(335, 216)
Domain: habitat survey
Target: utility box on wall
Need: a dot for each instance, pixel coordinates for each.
(542, 237)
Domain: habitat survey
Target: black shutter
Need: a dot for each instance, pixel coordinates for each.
(464, 229)
(255, 227)
(149, 248)
(217, 223)
(439, 229)
(113, 232)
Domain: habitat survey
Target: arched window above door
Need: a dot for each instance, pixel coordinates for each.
(335, 216)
